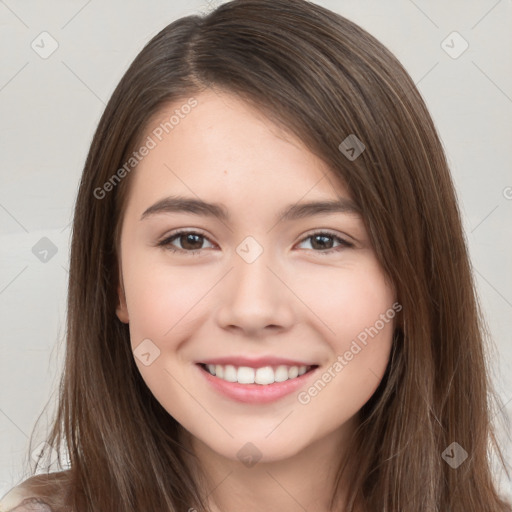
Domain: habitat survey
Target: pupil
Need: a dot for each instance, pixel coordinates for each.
(323, 243)
(190, 238)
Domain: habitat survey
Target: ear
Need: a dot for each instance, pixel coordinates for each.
(122, 309)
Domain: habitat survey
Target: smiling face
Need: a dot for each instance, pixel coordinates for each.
(262, 287)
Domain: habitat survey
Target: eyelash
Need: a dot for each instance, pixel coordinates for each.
(166, 243)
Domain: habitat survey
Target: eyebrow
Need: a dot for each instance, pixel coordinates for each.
(180, 204)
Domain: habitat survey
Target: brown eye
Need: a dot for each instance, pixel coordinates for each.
(323, 242)
(190, 242)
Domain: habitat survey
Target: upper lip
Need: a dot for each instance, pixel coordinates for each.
(255, 362)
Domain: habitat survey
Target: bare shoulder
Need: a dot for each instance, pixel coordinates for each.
(39, 493)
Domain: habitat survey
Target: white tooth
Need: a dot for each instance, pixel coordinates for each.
(264, 375)
(293, 372)
(245, 375)
(281, 374)
(230, 373)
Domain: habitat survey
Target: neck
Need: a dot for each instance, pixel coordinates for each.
(305, 481)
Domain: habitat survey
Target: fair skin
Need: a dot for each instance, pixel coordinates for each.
(294, 301)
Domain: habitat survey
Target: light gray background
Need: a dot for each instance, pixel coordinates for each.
(50, 107)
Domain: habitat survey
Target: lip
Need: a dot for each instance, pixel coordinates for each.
(257, 362)
(255, 393)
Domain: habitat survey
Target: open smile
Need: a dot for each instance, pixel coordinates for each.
(256, 385)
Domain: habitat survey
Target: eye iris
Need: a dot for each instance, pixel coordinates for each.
(190, 238)
(323, 243)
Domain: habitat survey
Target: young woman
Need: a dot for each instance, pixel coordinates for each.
(271, 305)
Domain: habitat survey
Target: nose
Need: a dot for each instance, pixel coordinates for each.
(256, 298)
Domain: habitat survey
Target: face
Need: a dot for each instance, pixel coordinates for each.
(296, 302)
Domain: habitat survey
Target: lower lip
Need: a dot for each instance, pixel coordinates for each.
(256, 393)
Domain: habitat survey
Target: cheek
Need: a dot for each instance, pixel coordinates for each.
(161, 300)
(161, 304)
(365, 315)
(348, 302)
(361, 311)
(367, 325)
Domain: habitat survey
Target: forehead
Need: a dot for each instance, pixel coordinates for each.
(223, 146)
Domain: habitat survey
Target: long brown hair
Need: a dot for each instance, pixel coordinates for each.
(322, 78)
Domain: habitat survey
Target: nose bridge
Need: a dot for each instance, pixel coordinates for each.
(252, 274)
(256, 297)
(253, 281)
